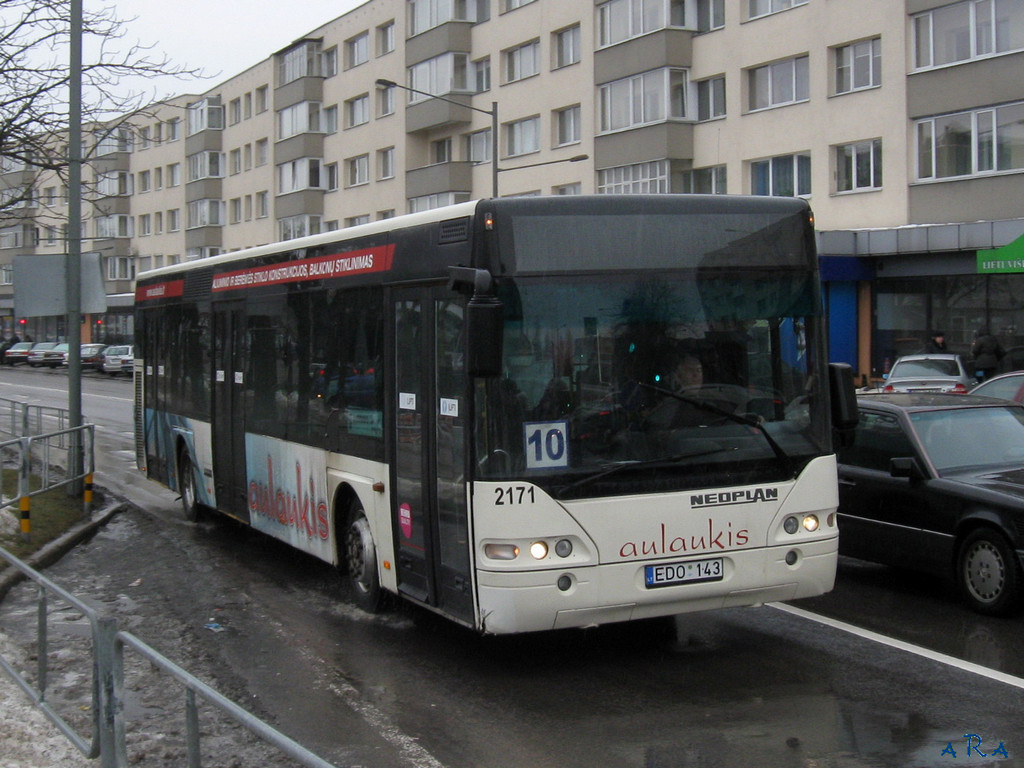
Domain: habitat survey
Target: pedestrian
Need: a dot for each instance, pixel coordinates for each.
(987, 352)
(936, 344)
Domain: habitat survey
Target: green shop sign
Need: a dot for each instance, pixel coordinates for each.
(1009, 258)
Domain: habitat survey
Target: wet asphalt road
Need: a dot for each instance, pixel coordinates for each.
(271, 628)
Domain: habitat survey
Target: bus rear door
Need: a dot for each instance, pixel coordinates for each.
(229, 409)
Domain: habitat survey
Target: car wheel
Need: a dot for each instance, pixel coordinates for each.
(361, 561)
(988, 573)
(187, 477)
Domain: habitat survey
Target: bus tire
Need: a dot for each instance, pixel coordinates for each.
(988, 573)
(360, 561)
(187, 479)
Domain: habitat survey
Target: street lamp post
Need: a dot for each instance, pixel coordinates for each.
(493, 112)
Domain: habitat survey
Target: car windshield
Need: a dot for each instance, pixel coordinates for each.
(925, 368)
(972, 438)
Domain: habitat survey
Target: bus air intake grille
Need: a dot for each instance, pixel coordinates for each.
(198, 284)
(453, 231)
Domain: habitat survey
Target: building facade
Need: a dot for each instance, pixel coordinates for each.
(902, 122)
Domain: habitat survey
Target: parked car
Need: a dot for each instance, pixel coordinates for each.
(117, 359)
(92, 355)
(18, 353)
(1009, 386)
(935, 483)
(37, 355)
(56, 357)
(930, 373)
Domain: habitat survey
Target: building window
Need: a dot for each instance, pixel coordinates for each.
(568, 125)
(301, 61)
(620, 20)
(145, 225)
(174, 220)
(478, 146)
(758, 8)
(329, 62)
(706, 181)
(511, 5)
(357, 111)
(173, 129)
(235, 161)
(859, 166)
(120, 268)
(427, 14)
(385, 101)
(205, 165)
(971, 143)
(438, 76)
(859, 65)
(262, 204)
(158, 223)
(641, 178)
(174, 175)
(782, 176)
(118, 225)
(113, 184)
(297, 175)
(355, 221)
(298, 226)
(357, 50)
(330, 120)
(711, 98)
(967, 30)
(113, 141)
(782, 82)
(652, 97)
(523, 136)
(204, 116)
(386, 163)
(235, 111)
(438, 200)
(385, 38)
(262, 152)
(300, 118)
(522, 62)
(205, 213)
(567, 46)
(262, 101)
(481, 74)
(357, 171)
(710, 15)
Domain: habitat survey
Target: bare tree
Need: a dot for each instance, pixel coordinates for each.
(34, 85)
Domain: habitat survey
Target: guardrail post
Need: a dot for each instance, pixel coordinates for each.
(110, 674)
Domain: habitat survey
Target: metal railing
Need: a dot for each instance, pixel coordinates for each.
(18, 419)
(108, 727)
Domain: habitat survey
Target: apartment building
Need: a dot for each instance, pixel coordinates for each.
(901, 121)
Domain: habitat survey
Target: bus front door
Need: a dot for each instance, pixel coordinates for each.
(429, 515)
(229, 409)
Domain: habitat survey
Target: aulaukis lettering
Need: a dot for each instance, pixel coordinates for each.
(303, 512)
(715, 539)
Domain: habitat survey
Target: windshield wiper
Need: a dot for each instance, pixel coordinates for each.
(777, 449)
(638, 464)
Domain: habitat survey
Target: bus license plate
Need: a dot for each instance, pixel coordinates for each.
(669, 574)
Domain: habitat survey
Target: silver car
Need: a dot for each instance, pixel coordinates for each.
(930, 373)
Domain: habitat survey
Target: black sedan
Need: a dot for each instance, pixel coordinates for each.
(935, 483)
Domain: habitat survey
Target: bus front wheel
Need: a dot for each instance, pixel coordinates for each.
(361, 561)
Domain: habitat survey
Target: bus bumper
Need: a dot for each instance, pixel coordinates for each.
(581, 597)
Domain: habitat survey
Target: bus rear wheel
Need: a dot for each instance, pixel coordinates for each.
(187, 478)
(361, 561)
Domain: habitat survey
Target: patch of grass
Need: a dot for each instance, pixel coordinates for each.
(52, 513)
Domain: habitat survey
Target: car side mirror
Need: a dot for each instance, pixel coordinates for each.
(906, 466)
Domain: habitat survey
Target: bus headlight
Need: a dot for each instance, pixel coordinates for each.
(811, 523)
(563, 547)
(539, 550)
(792, 524)
(501, 551)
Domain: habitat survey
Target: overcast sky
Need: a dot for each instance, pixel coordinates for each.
(222, 37)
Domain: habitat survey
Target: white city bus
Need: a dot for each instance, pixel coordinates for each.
(475, 407)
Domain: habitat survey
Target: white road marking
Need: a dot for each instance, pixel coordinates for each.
(867, 634)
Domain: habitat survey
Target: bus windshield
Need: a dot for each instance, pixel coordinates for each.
(641, 382)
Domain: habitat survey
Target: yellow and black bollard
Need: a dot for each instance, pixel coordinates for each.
(26, 518)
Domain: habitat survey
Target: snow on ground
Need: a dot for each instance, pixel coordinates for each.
(29, 739)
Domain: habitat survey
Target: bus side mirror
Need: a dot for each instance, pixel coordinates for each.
(485, 321)
(485, 329)
(843, 396)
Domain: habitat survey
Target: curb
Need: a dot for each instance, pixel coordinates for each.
(56, 549)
